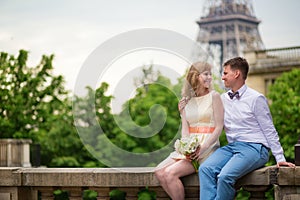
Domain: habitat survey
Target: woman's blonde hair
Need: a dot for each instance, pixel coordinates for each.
(191, 83)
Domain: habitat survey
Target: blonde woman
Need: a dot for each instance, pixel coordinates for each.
(202, 114)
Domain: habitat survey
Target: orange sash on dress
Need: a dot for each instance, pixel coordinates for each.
(201, 129)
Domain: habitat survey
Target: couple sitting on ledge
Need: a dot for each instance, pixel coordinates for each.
(243, 112)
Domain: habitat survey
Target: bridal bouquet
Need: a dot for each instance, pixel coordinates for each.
(186, 146)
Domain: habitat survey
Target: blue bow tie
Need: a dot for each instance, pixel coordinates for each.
(231, 95)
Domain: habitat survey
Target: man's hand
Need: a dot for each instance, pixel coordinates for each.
(287, 164)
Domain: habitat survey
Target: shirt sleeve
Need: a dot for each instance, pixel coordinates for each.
(265, 121)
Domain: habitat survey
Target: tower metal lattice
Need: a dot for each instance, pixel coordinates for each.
(228, 28)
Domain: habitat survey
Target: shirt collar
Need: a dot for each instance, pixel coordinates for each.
(241, 91)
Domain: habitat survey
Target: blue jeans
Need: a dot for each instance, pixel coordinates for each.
(220, 171)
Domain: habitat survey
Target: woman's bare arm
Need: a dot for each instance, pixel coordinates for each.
(184, 123)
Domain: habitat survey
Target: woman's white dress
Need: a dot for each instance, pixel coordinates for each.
(199, 114)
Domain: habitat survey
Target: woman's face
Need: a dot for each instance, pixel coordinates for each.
(205, 79)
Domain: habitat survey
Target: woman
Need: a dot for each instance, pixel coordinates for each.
(201, 111)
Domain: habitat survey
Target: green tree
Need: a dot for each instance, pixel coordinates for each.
(149, 121)
(35, 105)
(29, 96)
(148, 108)
(93, 118)
(61, 145)
(285, 108)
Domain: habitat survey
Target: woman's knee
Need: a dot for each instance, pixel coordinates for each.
(163, 174)
(159, 174)
(170, 175)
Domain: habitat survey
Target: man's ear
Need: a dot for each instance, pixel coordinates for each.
(237, 73)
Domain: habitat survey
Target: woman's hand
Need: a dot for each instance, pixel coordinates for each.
(188, 157)
(196, 154)
(182, 103)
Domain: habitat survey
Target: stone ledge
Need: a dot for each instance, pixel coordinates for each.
(103, 177)
(26, 183)
(135, 177)
(263, 176)
(288, 176)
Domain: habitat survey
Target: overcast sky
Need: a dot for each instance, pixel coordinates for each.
(72, 29)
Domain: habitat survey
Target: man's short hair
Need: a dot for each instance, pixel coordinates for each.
(238, 63)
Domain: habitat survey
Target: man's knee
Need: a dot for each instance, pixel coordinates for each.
(226, 179)
(204, 168)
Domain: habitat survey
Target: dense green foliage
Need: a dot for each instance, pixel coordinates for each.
(35, 105)
(29, 96)
(158, 102)
(147, 123)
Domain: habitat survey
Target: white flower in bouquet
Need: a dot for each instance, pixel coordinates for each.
(186, 146)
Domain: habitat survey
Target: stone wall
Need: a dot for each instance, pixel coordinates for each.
(25, 183)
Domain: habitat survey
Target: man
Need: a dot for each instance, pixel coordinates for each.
(250, 134)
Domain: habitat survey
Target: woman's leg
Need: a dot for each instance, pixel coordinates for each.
(160, 172)
(169, 178)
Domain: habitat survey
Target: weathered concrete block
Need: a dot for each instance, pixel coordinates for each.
(286, 176)
(10, 176)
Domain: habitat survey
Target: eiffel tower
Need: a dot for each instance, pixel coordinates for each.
(228, 28)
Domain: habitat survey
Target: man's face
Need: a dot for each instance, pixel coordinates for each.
(229, 76)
